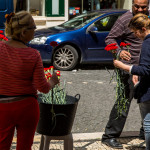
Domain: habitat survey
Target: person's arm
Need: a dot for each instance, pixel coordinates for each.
(39, 79)
(119, 64)
(53, 80)
(117, 32)
(143, 69)
(144, 66)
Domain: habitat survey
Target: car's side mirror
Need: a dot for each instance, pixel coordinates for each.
(93, 29)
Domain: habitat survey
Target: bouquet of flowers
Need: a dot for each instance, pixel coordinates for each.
(58, 94)
(121, 100)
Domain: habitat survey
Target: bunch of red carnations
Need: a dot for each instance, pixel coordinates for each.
(2, 37)
(121, 100)
(58, 94)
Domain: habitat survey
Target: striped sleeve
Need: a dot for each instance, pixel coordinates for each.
(39, 78)
(116, 33)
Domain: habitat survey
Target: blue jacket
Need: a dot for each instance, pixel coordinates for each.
(143, 70)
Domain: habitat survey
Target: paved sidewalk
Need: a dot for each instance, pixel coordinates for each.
(92, 141)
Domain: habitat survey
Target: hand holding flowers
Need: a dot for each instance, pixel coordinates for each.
(121, 100)
(119, 64)
(53, 80)
(125, 55)
(57, 95)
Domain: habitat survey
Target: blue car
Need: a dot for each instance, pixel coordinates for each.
(77, 41)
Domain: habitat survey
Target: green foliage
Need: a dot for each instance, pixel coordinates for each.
(121, 100)
(55, 96)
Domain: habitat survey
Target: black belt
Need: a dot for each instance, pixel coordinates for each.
(14, 98)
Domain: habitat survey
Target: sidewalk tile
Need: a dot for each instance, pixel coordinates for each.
(85, 142)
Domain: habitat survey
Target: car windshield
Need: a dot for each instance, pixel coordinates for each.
(81, 20)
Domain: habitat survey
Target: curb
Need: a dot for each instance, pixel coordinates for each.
(87, 136)
(98, 135)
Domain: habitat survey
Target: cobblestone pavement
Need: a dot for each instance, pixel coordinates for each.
(129, 143)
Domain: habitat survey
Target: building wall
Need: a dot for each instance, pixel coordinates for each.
(126, 4)
(42, 21)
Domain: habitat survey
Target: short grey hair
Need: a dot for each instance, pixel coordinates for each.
(133, 1)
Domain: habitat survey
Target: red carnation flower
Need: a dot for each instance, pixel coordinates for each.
(45, 69)
(5, 38)
(1, 36)
(58, 73)
(53, 44)
(48, 75)
(122, 44)
(51, 67)
(112, 44)
(128, 44)
(110, 48)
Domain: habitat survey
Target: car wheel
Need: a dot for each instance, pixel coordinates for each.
(65, 58)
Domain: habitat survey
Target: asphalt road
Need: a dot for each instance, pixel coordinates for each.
(97, 98)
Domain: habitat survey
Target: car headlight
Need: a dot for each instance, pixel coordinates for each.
(38, 40)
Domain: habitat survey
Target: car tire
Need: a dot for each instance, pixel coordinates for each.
(65, 58)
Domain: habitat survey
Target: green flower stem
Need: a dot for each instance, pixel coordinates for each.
(55, 96)
(121, 101)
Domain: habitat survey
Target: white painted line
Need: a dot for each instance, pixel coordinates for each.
(69, 82)
(114, 82)
(100, 82)
(85, 82)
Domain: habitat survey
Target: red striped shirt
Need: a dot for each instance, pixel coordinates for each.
(21, 71)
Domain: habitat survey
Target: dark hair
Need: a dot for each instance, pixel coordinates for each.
(139, 21)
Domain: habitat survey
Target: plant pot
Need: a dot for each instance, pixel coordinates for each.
(60, 123)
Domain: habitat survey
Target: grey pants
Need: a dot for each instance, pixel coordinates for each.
(145, 114)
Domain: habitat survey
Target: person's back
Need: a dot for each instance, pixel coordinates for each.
(16, 71)
(21, 75)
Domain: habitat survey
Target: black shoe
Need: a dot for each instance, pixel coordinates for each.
(112, 143)
(141, 137)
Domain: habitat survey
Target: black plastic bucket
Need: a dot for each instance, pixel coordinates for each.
(61, 121)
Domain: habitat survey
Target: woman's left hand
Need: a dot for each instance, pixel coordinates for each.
(117, 63)
(121, 65)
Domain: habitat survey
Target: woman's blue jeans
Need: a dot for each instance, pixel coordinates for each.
(145, 114)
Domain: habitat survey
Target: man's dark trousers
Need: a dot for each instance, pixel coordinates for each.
(115, 125)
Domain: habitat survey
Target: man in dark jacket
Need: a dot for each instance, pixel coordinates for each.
(121, 31)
